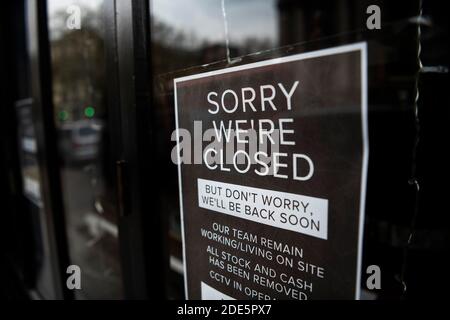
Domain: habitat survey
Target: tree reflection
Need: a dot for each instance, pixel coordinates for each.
(78, 66)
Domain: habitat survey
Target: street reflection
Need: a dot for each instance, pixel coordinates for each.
(79, 99)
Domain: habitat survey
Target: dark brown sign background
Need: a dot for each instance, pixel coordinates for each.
(329, 115)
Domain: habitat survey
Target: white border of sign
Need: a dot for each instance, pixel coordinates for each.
(360, 46)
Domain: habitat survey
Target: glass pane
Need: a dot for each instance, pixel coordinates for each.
(79, 98)
(190, 37)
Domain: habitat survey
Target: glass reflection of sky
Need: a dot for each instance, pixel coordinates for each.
(202, 20)
(56, 11)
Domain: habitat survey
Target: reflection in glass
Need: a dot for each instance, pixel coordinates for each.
(79, 99)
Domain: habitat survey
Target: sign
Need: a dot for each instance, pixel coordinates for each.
(272, 200)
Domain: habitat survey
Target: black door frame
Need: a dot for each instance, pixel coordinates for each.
(40, 65)
(143, 246)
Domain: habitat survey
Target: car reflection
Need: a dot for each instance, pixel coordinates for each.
(90, 213)
(80, 141)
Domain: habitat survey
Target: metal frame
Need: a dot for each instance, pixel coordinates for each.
(142, 232)
(39, 55)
